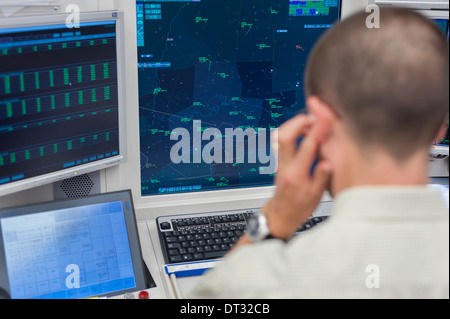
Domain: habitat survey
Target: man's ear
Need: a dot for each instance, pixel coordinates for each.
(324, 116)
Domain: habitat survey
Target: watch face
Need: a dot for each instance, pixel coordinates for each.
(253, 226)
(257, 228)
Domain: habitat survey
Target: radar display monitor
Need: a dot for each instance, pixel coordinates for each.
(72, 249)
(61, 109)
(212, 72)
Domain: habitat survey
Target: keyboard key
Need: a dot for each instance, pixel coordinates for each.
(173, 252)
(175, 259)
(193, 243)
(187, 257)
(317, 220)
(171, 240)
(215, 254)
(173, 246)
(165, 225)
(198, 256)
(199, 249)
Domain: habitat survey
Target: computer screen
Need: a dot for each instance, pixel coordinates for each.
(442, 24)
(216, 70)
(60, 98)
(71, 249)
(444, 141)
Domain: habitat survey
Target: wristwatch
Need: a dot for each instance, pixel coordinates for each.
(257, 228)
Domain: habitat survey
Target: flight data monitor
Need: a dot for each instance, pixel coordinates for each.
(444, 141)
(59, 99)
(217, 69)
(442, 24)
(72, 249)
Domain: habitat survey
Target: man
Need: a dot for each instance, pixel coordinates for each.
(377, 99)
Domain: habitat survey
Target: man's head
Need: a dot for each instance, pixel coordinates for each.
(382, 90)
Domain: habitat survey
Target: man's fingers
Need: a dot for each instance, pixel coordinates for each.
(288, 136)
(307, 154)
(293, 129)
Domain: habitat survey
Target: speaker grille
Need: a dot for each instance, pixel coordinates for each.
(78, 186)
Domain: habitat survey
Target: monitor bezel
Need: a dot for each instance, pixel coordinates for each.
(44, 20)
(435, 14)
(131, 223)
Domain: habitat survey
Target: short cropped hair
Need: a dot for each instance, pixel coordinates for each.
(390, 85)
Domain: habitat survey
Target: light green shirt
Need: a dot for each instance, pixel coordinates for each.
(380, 242)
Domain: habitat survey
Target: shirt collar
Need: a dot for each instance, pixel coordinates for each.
(393, 202)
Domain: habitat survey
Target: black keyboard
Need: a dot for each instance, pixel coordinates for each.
(197, 237)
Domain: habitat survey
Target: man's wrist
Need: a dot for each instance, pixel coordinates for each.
(278, 228)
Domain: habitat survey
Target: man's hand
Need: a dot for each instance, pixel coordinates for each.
(297, 191)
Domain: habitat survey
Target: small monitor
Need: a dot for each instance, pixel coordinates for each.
(71, 249)
(442, 24)
(444, 141)
(61, 98)
(440, 148)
